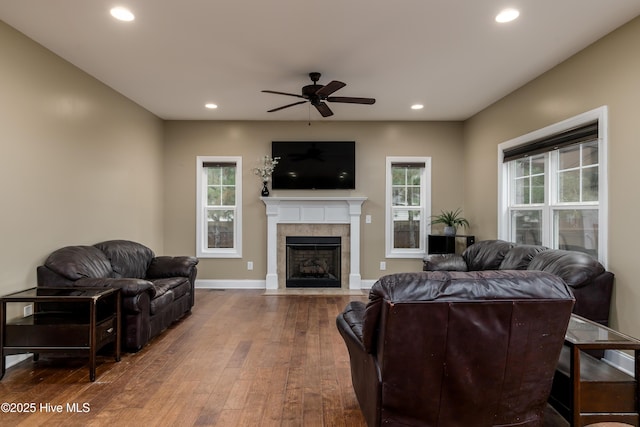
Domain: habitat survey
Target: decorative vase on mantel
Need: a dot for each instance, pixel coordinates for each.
(265, 189)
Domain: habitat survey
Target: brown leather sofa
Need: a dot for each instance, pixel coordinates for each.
(587, 278)
(156, 291)
(457, 348)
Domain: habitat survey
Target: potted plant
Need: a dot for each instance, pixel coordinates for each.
(451, 220)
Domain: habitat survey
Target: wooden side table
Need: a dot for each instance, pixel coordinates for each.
(587, 390)
(79, 320)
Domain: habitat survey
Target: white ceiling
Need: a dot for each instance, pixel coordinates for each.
(449, 55)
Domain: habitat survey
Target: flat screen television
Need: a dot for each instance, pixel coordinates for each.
(319, 165)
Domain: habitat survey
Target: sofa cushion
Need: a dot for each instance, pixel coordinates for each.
(161, 302)
(179, 286)
(519, 257)
(575, 268)
(486, 255)
(128, 259)
(77, 262)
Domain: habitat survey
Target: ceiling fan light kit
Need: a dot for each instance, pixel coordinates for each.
(317, 95)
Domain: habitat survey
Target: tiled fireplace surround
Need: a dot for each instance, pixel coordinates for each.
(313, 216)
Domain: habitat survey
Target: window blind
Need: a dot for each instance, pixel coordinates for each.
(577, 135)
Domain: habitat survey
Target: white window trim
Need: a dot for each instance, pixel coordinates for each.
(201, 202)
(425, 227)
(601, 115)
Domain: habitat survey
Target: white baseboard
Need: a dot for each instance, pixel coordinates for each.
(16, 358)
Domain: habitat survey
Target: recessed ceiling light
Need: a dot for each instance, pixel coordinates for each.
(417, 107)
(211, 106)
(507, 15)
(122, 14)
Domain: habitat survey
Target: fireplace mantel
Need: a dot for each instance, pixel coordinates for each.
(313, 210)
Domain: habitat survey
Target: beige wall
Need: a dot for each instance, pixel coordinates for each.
(79, 164)
(374, 141)
(606, 73)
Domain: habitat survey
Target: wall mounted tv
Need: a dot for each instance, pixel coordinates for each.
(318, 165)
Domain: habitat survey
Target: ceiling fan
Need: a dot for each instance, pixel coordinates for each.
(316, 94)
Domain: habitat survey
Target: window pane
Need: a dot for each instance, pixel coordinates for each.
(220, 224)
(577, 230)
(522, 191)
(229, 175)
(590, 184)
(590, 153)
(406, 229)
(569, 157)
(398, 176)
(213, 176)
(569, 186)
(537, 165)
(526, 226)
(537, 189)
(399, 196)
(522, 167)
(413, 196)
(413, 176)
(228, 196)
(213, 196)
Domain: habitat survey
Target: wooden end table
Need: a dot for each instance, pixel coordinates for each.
(587, 389)
(65, 320)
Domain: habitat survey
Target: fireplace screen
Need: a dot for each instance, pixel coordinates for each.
(313, 262)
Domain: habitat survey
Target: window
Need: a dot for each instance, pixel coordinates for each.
(553, 186)
(408, 206)
(219, 207)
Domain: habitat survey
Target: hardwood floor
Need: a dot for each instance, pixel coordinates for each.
(240, 359)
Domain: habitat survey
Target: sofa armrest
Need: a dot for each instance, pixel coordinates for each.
(444, 262)
(128, 287)
(169, 266)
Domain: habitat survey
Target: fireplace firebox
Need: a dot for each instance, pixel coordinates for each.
(313, 261)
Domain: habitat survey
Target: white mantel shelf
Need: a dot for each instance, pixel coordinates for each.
(313, 210)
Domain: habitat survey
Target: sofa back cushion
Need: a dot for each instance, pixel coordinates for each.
(575, 268)
(128, 259)
(77, 262)
(486, 255)
(519, 257)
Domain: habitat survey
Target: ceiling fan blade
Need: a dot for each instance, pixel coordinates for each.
(330, 88)
(286, 106)
(283, 93)
(324, 109)
(351, 100)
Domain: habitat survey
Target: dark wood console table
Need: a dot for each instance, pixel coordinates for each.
(64, 320)
(588, 390)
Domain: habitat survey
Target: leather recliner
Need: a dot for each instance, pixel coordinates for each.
(457, 348)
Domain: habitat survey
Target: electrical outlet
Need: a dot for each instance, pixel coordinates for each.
(367, 219)
(383, 265)
(28, 310)
(249, 265)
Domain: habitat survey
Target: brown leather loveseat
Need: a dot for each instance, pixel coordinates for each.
(457, 348)
(156, 291)
(587, 278)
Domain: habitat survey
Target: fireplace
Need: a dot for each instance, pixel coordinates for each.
(313, 261)
(313, 216)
